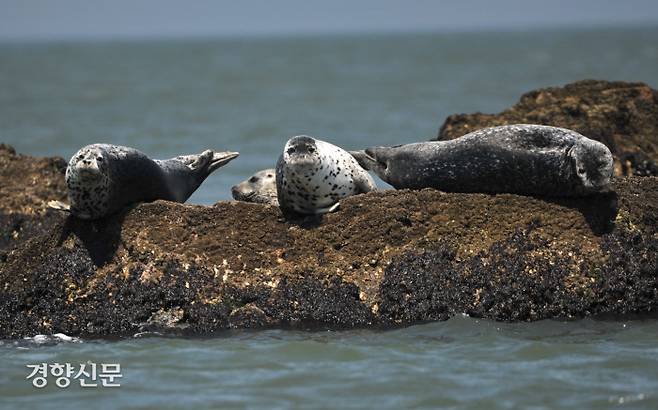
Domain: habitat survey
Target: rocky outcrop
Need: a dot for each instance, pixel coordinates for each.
(623, 116)
(385, 259)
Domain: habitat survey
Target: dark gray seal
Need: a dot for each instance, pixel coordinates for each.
(312, 176)
(523, 159)
(259, 188)
(103, 178)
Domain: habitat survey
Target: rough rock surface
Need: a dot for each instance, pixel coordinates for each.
(26, 185)
(386, 258)
(623, 116)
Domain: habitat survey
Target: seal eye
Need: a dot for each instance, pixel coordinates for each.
(311, 149)
(81, 156)
(253, 179)
(270, 175)
(99, 159)
(581, 171)
(291, 150)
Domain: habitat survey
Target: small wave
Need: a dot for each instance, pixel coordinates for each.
(52, 339)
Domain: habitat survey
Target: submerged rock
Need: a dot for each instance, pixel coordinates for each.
(623, 116)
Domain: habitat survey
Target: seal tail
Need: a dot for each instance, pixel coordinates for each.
(362, 157)
(208, 161)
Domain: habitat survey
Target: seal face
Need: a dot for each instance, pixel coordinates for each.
(103, 178)
(88, 181)
(523, 158)
(259, 188)
(313, 175)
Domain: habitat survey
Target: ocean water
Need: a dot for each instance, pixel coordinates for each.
(167, 98)
(170, 97)
(460, 363)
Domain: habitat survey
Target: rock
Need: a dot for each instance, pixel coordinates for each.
(26, 185)
(386, 258)
(623, 116)
(164, 321)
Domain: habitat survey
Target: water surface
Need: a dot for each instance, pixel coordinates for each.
(461, 362)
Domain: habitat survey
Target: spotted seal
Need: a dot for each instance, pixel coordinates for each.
(103, 178)
(313, 175)
(523, 158)
(259, 188)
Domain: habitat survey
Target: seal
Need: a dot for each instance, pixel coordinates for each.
(313, 175)
(259, 188)
(523, 159)
(103, 178)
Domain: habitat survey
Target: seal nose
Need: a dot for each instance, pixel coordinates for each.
(239, 192)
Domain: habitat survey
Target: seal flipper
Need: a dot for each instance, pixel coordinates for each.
(199, 161)
(364, 183)
(208, 161)
(219, 159)
(59, 206)
(373, 159)
(363, 159)
(329, 209)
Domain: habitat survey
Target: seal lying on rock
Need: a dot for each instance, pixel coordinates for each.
(259, 188)
(103, 178)
(522, 159)
(313, 175)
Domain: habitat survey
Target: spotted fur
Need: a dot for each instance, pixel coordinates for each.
(524, 159)
(312, 176)
(89, 183)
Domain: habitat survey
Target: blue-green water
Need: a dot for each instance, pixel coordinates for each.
(251, 95)
(461, 362)
(172, 97)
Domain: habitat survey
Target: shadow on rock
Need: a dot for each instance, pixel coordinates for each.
(599, 210)
(303, 221)
(100, 237)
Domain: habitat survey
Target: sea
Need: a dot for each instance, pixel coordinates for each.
(169, 97)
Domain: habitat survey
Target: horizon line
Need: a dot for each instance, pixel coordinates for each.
(305, 34)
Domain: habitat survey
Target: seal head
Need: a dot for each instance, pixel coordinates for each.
(301, 152)
(592, 164)
(259, 188)
(89, 182)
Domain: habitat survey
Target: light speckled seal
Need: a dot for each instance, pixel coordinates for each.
(259, 188)
(103, 178)
(524, 159)
(312, 176)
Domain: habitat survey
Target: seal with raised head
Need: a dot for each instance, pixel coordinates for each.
(312, 176)
(103, 178)
(259, 188)
(523, 159)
